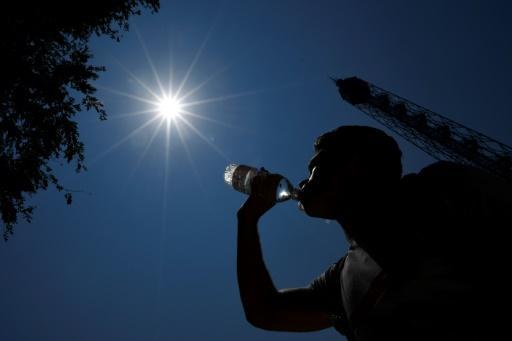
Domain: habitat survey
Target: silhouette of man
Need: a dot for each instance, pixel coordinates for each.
(415, 268)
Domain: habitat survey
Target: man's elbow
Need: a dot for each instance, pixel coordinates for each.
(255, 318)
(261, 319)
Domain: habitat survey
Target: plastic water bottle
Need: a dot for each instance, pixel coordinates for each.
(240, 178)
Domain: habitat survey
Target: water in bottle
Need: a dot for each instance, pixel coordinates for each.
(240, 178)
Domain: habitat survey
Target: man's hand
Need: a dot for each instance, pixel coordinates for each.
(262, 198)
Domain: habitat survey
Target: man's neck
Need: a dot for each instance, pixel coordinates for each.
(346, 227)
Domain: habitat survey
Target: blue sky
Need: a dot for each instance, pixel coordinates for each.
(147, 249)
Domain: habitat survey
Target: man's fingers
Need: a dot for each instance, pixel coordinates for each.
(264, 186)
(263, 195)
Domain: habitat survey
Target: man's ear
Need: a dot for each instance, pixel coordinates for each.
(356, 167)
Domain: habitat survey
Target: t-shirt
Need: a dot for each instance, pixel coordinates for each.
(357, 274)
(447, 232)
(347, 281)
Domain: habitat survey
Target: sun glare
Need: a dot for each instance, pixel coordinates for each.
(169, 108)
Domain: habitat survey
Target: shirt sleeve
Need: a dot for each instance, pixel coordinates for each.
(327, 288)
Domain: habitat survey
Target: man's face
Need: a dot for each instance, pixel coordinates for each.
(322, 192)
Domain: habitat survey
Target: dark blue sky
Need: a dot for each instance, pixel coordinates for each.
(147, 252)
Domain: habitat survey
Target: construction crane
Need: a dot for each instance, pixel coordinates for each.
(439, 136)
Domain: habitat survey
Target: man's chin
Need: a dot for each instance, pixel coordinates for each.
(315, 213)
(306, 209)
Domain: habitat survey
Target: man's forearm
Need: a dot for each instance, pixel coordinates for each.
(255, 284)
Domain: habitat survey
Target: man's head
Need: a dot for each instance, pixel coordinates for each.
(350, 161)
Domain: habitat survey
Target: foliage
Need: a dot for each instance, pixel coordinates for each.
(46, 80)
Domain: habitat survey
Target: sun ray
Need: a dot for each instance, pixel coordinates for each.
(150, 61)
(223, 98)
(190, 159)
(204, 138)
(123, 140)
(196, 58)
(146, 148)
(209, 119)
(171, 68)
(167, 158)
(125, 94)
(241, 94)
(142, 84)
(163, 227)
(167, 152)
(206, 81)
(133, 114)
(167, 143)
(135, 78)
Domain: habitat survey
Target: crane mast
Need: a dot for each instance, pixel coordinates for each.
(439, 136)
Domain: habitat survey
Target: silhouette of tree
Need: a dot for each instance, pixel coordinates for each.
(45, 80)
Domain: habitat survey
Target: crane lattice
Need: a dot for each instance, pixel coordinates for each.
(439, 136)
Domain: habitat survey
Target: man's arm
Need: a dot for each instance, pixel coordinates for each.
(266, 307)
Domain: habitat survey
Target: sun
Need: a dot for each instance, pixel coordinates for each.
(169, 108)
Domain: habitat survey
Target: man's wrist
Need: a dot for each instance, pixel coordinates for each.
(247, 218)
